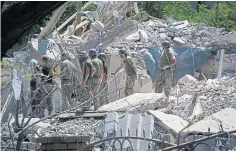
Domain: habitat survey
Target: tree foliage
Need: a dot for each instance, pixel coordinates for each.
(222, 14)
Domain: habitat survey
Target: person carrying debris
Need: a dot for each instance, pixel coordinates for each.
(46, 87)
(104, 87)
(87, 70)
(95, 81)
(166, 70)
(34, 82)
(67, 75)
(130, 70)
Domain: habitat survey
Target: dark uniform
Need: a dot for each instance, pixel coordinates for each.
(35, 95)
(46, 89)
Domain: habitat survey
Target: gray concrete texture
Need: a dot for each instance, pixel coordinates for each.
(126, 124)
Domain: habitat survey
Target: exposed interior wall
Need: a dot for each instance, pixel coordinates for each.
(211, 66)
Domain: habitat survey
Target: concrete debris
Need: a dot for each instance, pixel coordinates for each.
(179, 40)
(88, 127)
(136, 103)
(213, 96)
(143, 36)
(201, 103)
(171, 122)
(224, 118)
(129, 125)
(133, 37)
(98, 26)
(187, 79)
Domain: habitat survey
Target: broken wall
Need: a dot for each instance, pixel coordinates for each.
(210, 68)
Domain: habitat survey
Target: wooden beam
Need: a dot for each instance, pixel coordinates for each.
(66, 22)
(222, 51)
(73, 16)
(78, 28)
(53, 21)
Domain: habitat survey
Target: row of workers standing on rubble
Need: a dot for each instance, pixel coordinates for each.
(95, 73)
(94, 87)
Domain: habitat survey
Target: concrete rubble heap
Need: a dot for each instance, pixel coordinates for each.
(212, 96)
(88, 127)
(180, 34)
(191, 101)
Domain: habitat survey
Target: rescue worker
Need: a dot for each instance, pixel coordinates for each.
(166, 70)
(67, 75)
(87, 71)
(104, 87)
(34, 82)
(95, 81)
(47, 87)
(130, 71)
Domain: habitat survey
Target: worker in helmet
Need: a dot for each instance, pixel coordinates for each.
(104, 87)
(34, 82)
(130, 70)
(47, 87)
(96, 80)
(68, 74)
(87, 71)
(166, 70)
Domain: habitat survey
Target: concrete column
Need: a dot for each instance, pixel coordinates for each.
(222, 51)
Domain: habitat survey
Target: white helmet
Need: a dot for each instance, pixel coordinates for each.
(33, 65)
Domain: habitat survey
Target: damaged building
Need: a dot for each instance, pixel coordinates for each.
(200, 115)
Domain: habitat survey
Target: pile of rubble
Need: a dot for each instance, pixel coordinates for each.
(191, 100)
(89, 127)
(209, 96)
(181, 34)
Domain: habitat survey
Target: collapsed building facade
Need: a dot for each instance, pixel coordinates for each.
(203, 97)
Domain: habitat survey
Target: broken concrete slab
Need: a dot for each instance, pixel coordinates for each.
(179, 40)
(170, 121)
(197, 110)
(143, 36)
(187, 79)
(180, 24)
(226, 117)
(98, 26)
(133, 37)
(163, 35)
(133, 102)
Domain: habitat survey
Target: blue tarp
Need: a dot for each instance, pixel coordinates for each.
(188, 60)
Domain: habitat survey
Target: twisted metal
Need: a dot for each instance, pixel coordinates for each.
(122, 139)
(192, 145)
